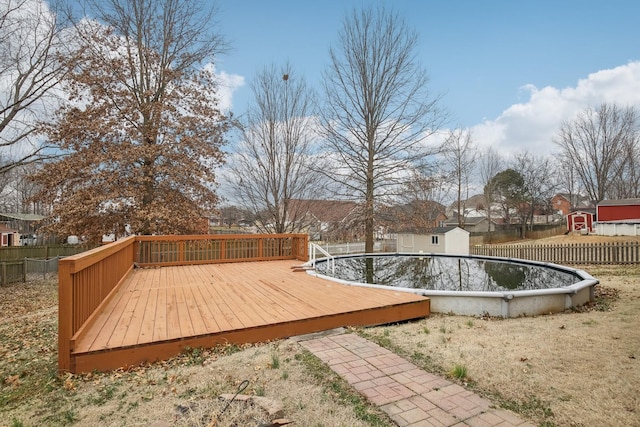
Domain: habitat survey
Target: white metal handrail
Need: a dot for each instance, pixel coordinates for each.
(330, 258)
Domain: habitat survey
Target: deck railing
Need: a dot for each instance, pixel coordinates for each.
(208, 249)
(86, 281)
(578, 253)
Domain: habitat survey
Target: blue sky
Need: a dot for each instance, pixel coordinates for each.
(498, 63)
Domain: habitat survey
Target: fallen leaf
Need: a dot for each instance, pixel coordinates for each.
(69, 385)
(12, 380)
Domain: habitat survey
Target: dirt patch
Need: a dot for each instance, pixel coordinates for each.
(578, 368)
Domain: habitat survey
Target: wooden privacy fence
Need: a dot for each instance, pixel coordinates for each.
(17, 271)
(86, 281)
(12, 271)
(576, 253)
(14, 253)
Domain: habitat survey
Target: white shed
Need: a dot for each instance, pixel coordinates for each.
(443, 240)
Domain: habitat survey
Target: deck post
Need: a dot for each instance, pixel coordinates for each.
(65, 315)
(301, 247)
(181, 256)
(136, 251)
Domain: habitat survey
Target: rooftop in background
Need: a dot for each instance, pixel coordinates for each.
(23, 217)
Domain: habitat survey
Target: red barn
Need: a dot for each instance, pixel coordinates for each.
(618, 217)
(618, 210)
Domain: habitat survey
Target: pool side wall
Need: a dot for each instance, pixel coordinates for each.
(497, 304)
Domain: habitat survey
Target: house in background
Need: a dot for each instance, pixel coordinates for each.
(8, 236)
(473, 224)
(23, 223)
(582, 221)
(418, 216)
(565, 203)
(328, 220)
(618, 217)
(444, 240)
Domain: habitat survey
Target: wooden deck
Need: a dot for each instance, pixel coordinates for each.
(158, 312)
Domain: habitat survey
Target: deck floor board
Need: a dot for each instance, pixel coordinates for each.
(174, 307)
(145, 332)
(158, 324)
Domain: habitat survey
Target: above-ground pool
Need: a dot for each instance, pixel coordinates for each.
(467, 285)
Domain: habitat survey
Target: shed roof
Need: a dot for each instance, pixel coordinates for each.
(582, 212)
(445, 230)
(619, 202)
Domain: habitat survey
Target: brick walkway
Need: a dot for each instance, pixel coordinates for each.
(411, 396)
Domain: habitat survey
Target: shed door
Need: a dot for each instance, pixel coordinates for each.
(579, 222)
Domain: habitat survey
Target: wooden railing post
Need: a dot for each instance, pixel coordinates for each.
(181, 245)
(136, 251)
(65, 315)
(301, 247)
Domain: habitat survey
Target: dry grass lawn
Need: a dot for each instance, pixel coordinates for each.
(568, 369)
(578, 368)
(183, 391)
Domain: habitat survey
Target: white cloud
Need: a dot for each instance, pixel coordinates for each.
(531, 125)
(228, 84)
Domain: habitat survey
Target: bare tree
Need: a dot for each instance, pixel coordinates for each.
(271, 173)
(627, 184)
(539, 185)
(142, 132)
(568, 181)
(17, 190)
(378, 111)
(598, 142)
(420, 204)
(26, 189)
(489, 166)
(5, 190)
(31, 45)
(460, 155)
